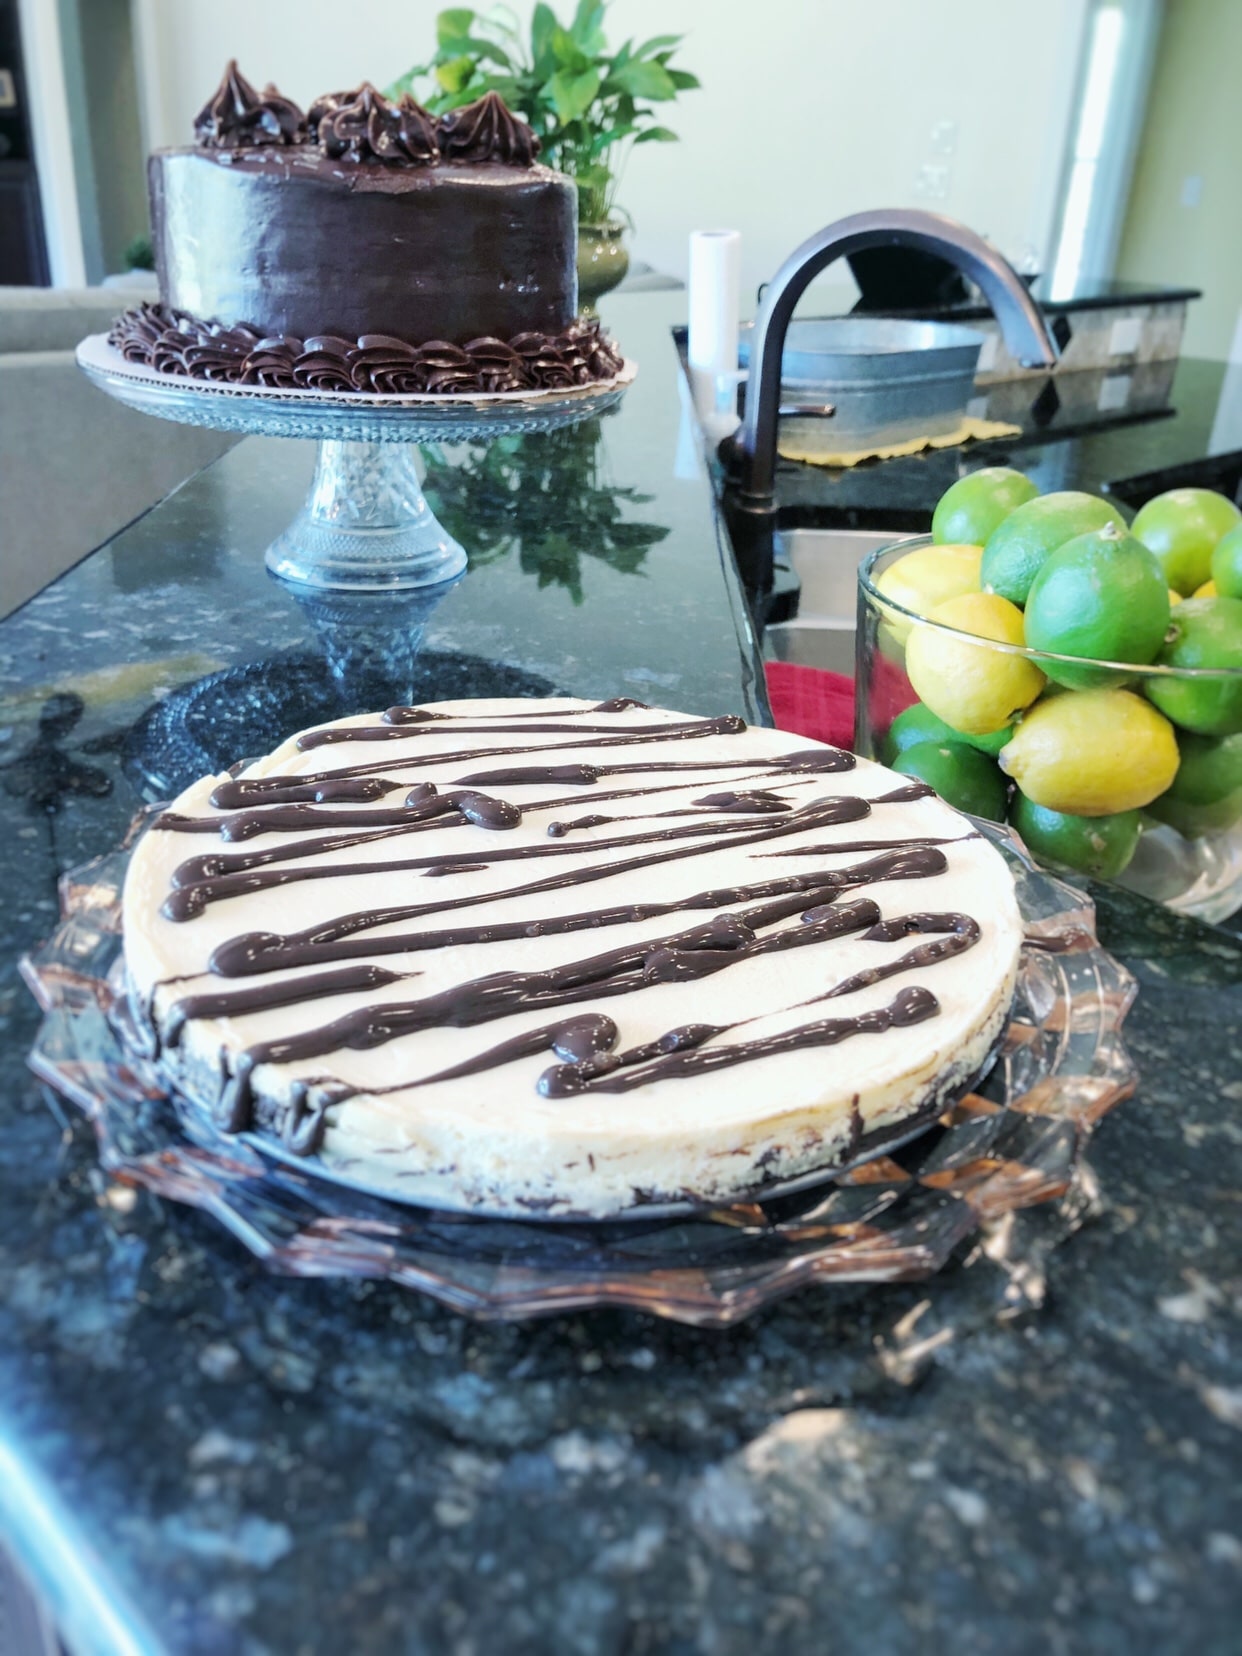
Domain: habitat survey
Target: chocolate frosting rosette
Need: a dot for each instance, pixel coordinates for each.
(498, 365)
(271, 363)
(364, 125)
(487, 130)
(386, 365)
(323, 364)
(238, 117)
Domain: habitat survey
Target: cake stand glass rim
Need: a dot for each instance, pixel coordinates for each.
(326, 415)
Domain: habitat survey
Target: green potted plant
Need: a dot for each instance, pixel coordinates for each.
(588, 103)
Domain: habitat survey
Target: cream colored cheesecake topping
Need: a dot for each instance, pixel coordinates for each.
(566, 957)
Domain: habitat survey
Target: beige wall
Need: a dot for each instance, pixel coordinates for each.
(1184, 221)
(810, 108)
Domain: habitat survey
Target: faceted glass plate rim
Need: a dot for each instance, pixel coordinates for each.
(385, 416)
(900, 1217)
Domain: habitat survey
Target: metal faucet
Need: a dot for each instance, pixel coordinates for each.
(751, 451)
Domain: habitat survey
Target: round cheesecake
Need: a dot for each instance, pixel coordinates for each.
(567, 957)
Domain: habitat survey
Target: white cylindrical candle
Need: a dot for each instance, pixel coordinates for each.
(715, 282)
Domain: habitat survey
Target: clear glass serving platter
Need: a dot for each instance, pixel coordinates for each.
(1016, 1141)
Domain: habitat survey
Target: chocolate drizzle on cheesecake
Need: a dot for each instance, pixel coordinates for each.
(672, 1059)
(352, 808)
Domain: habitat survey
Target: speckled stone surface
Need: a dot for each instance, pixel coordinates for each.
(1036, 1461)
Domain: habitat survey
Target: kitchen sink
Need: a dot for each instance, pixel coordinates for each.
(825, 562)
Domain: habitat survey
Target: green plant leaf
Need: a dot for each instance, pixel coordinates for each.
(503, 22)
(657, 135)
(572, 95)
(454, 25)
(588, 23)
(683, 80)
(404, 83)
(658, 43)
(647, 80)
(567, 51)
(489, 50)
(454, 74)
(607, 136)
(543, 26)
(593, 176)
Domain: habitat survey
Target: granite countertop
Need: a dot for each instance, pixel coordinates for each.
(196, 1456)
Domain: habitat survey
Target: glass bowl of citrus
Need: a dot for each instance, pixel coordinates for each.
(1037, 660)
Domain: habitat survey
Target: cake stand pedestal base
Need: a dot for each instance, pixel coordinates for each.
(366, 525)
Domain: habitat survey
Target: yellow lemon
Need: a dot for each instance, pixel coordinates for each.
(1092, 753)
(927, 577)
(972, 687)
(1207, 590)
(1175, 597)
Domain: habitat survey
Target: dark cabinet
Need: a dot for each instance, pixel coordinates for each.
(23, 247)
(23, 254)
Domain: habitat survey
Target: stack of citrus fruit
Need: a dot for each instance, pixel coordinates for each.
(1080, 742)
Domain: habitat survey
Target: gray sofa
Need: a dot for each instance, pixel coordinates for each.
(75, 467)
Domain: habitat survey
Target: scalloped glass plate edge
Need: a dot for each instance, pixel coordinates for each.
(1015, 1142)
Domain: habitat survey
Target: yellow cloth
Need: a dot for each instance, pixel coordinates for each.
(970, 430)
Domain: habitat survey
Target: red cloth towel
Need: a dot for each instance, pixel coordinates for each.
(812, 702)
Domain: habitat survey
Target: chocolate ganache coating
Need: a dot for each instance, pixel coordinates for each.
(364, 218)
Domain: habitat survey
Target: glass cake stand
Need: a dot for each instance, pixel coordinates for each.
(1016, 1142)
(366, 525)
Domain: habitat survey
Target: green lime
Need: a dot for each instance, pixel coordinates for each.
(1101, 596)
(920, 724)
(1227, 564)
(1100, 845)
(1182, 528)
(1015, 552)
(962, 776)
(1206, 795)
(1203, 633)
(971, 508)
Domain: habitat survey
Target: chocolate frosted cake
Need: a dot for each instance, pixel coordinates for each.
(364, 245)
(564, 957)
